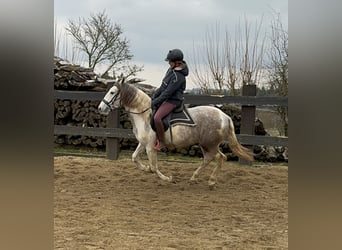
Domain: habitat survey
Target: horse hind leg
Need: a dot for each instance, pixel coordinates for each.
(220, 157)
(207, 158)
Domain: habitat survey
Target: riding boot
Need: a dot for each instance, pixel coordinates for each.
(161, 137)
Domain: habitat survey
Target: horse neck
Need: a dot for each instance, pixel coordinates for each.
(142, 100)
(140, 121)
(137, 103)
(134, 99)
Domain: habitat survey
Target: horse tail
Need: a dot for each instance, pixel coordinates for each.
(235, 146)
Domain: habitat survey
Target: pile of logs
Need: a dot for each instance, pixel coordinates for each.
(84, 113)
(78, 113)
(68, 76)
(72, 77)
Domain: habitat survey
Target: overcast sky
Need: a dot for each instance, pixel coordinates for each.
(155, 26)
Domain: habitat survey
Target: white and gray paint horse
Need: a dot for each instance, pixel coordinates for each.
(212, 127)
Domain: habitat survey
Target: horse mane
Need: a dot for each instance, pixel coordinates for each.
(130, 96)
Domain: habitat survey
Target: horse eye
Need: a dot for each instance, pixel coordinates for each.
(112, 92)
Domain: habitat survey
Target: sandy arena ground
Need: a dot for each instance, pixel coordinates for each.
(104, 204)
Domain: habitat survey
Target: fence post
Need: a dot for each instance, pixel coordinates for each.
(112, 144)
(248, 116)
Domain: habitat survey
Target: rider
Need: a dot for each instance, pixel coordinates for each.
(170, 94)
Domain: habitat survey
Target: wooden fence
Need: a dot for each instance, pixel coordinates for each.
(112, 132)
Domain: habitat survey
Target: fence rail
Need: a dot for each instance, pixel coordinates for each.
(190, 99)
(127, 133)
(112, 132)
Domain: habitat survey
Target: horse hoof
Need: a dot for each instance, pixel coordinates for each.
(148, 169)
(170, 179)
(145, 168)
(212, 185)
(193, 181)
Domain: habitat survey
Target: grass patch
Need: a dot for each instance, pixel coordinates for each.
(78, 151)
(60, 150)
(127, 154)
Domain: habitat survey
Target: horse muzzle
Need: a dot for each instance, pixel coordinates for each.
(104, 109)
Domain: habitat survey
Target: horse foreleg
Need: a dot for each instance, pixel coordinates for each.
(219, 161)
(152, 157)
(136, 158)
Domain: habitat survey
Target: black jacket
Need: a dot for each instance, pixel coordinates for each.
(172, 87)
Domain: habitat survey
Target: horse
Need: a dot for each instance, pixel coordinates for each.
(212, 128)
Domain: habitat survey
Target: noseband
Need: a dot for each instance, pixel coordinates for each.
(109, 103)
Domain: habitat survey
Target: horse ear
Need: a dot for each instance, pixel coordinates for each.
(120, 81)
(123, 79)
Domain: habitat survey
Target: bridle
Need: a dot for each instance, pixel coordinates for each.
(109, 104)
(111, 101)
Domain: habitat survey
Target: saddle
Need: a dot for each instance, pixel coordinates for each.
(179, 116)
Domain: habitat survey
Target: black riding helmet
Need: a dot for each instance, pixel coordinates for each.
(174, 55)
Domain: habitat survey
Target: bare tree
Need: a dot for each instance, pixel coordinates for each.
(208, 62)
(231, 50)
(252, 53)
(231, 61)
(103, 43)
(278, 65)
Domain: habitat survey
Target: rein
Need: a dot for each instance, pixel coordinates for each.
(138, 113)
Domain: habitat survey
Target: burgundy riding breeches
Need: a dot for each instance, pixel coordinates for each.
(163, 111)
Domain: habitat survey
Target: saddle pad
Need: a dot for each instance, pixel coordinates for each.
(175, 118)
(182, 118)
